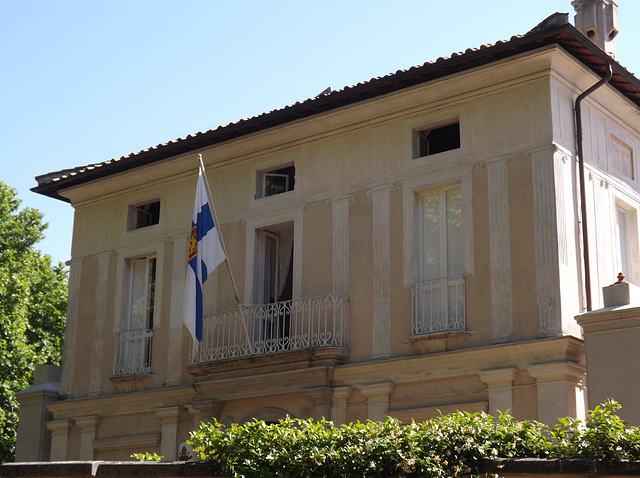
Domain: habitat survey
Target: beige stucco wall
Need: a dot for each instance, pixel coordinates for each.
(516, 141)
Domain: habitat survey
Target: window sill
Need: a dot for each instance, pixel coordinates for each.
(440, 341)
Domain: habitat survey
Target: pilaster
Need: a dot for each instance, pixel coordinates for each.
(175, 353)
(500, 251)
(88, 426)
(381, 270)
(561, 391)
(377, 400)
(340, 210)
(339, 406)
(70, 332)
(99, 323)
(59, 439)
(204, 411)
(169, 417)
(500, 387)
(322, 397)
(545, 221)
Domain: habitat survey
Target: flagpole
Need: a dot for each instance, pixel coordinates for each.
(224, 248)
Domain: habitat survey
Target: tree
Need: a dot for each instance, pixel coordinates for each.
(33, 301)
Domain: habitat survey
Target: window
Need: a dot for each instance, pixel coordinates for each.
(438, 295)
(142, 293)
(437, 139)
(276, 181)
(133, 341)
(627, 240)
(144, 215)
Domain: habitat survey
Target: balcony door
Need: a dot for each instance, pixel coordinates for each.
(274, 286)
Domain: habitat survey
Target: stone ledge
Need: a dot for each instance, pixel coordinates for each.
(556, 466)
(539, 467)
(72, 469)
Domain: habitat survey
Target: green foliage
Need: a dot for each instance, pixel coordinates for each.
(447, 446)
(147, 457)
(603, 436)
(32, 308)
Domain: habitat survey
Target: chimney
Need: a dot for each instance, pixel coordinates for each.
(598, 20)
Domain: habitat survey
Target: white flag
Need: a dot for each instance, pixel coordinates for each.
(205, 254)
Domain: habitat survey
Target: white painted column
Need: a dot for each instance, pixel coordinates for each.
(500, 250)
(87, 427)
(547, 258)
(70, 332)
(561, 391)
(175, 354)
(500, 387)
(569, 297)
(381, 270)
(340, 210)
(59, 439)
(169, 442)
(339, 407)
(102, 274)
(377, 400)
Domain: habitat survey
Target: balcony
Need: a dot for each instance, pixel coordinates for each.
(438, 306)
(315, 327)
(132, 355)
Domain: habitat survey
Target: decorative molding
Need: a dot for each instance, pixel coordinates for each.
(376, 189)
(336, 199)
(547, 149)
(485, 163)
(268, 215)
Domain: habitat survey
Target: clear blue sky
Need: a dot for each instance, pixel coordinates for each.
(84, 81)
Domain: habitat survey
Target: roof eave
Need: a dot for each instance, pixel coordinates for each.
(564, 35)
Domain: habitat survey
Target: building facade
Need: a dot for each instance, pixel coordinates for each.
(401, 247)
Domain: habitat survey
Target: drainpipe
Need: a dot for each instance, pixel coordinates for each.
(583, 196)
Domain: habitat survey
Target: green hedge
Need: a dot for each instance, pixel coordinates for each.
(447, 446)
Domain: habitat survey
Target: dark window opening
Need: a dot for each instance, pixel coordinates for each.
(438, 140)
(276, 181)
(144, 215)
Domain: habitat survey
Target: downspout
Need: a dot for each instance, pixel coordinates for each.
(583, 195)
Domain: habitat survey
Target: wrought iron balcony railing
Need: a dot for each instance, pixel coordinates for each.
(132, 354)
(438, 305)
(297, 324)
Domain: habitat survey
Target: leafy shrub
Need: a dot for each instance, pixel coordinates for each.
(449, 445)
(147, 456)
